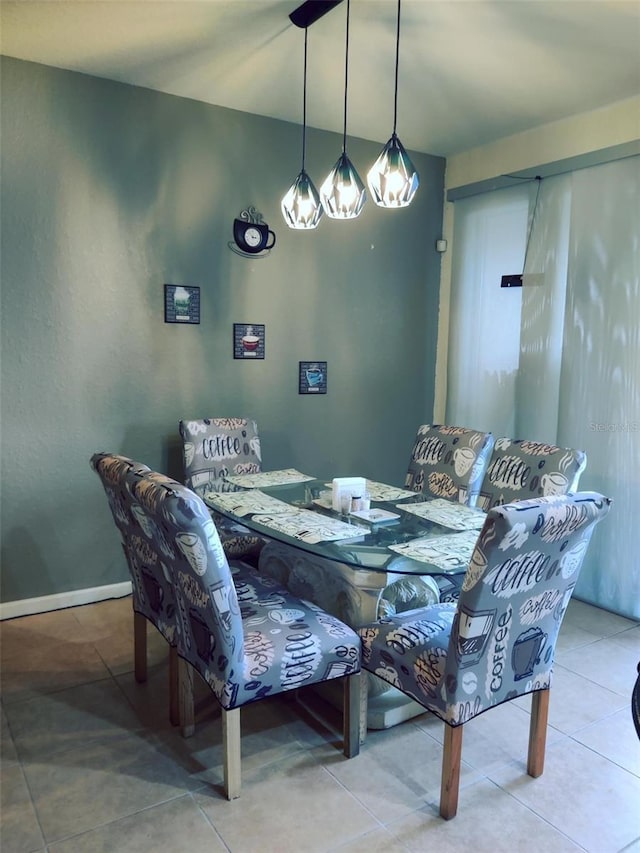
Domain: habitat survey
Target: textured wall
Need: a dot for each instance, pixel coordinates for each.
(108, 192)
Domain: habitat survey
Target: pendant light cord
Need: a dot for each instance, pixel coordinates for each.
(395, 95)
(346, 84)
(304, 100)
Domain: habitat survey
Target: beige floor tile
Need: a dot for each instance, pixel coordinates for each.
(57, 721)
(40, 630)
(488, 821)
(172, 827)
(602, 623)
(605, 662)
(572, 636)
(102, 781)
(614, 738)
(19, 831)
(593, 801)
(8, 754)
(49, 667)
(268, 736)
(576, 701)
(398, 771)
(629, 639)
(378, 841)
(292, 805)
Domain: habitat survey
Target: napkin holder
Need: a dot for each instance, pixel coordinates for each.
(343, 487)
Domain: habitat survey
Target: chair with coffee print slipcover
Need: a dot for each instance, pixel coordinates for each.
(212, 448)
(152, 590)
(449, 462)
(498, 642)
(521, 469)
(247, 637)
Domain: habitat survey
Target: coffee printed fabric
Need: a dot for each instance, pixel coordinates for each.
(214, 448)
(498, 641)
(449, 462)
(244, 634)
(520, 470)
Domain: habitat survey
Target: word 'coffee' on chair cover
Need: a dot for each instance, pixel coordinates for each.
(519, 470)
(247, 637)
(213, 448)
(498, 642)
(449, 462)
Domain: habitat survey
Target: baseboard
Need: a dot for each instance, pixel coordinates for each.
(46, 603)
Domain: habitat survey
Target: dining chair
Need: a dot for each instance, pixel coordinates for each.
(498, 642)
(449, 462)
(247, 637)
(212, 448)
(520, 469)
(152, 589)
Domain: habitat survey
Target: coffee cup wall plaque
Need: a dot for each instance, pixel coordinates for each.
(252, 237)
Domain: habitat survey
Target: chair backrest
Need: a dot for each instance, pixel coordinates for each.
(514, 596)
(151, 582)
(449, 462)
(186, 544)
(519, 470)
(215, 447)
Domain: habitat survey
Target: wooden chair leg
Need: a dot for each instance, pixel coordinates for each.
(364, 705)
(174, 687)
(450, 782)
(538, 732)
(231, 748)
(139, 647)
(185, 698)
(351, 715)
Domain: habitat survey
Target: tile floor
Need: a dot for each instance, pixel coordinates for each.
(91, 763)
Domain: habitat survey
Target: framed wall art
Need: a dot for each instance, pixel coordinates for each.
(181, 304)
(248, 340)
(312, 377)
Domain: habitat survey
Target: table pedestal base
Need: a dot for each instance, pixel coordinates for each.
(352, 595)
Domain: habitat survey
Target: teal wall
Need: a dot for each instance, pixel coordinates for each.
(108, 192)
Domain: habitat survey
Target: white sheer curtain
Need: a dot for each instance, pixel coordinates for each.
(575, 378)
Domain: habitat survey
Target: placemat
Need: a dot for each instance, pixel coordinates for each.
(268, 478)
(450, 553)
(455, 516)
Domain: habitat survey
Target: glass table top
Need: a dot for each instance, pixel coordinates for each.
(403, 533)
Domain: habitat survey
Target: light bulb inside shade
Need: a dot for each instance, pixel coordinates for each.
(343, 194)
(392, 179)
(301, 206)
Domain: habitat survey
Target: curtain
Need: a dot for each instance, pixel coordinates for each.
(574, 378)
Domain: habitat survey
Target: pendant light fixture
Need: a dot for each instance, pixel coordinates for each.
(343, 194)
(392, 179)
(301, 206)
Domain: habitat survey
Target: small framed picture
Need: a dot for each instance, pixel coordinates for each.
(181, 304)
(312, 377)
(248, 340)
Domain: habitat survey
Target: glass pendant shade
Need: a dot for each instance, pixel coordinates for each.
(343, 194)
(392, 179)
(301, 206)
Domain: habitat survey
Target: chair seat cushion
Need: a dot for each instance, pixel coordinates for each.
(409, 650)
(288, 643)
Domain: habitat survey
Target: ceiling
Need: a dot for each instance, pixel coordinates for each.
(471, 71)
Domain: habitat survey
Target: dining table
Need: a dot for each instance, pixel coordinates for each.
(399, 553)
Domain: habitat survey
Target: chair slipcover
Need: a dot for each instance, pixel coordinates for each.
(449, 462)
(498, 642)
(247, 637)
(152, 589)
(212, 448)
(521, 469)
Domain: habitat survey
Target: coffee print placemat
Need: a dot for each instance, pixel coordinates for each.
(450, 553)
(308, 526)
(449, 514)
(245, 503)
(268, 478)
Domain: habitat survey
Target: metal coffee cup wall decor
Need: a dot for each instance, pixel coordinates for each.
(252, 237)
